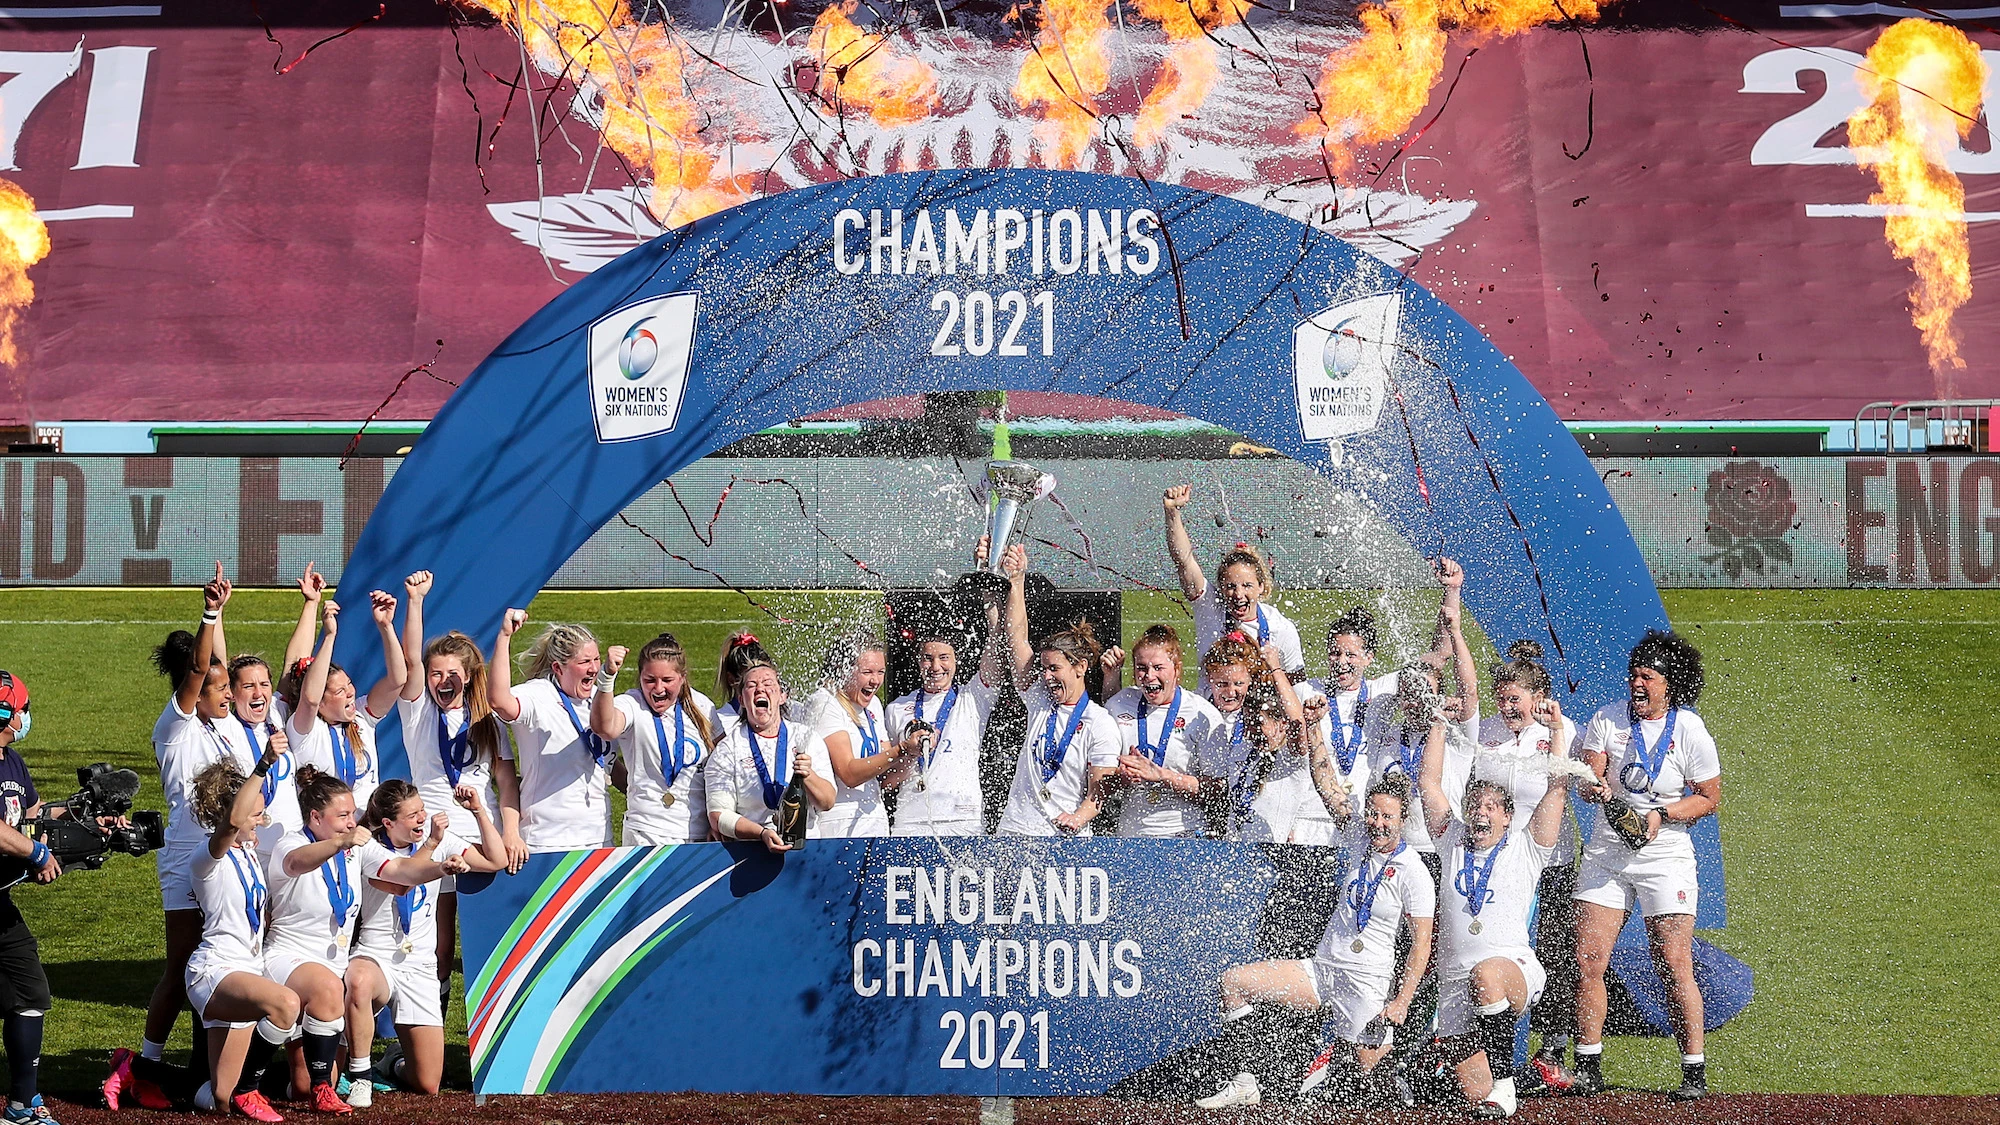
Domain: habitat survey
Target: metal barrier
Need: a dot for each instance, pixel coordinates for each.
(1929, 425)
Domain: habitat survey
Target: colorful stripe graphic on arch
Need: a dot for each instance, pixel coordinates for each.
(592, 921)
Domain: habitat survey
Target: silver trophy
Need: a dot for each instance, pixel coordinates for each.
(1013, 483)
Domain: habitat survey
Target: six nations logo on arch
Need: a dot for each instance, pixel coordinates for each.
(639, 357)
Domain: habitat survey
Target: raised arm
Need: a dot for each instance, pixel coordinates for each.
(214, 596)
(1325, 776)
(1274, 662)
(1545, 827)
(1180, 548)
(313, 688)
(606, 720)
(312, 587)
(500, 669)
(1014, 564)
(248, 808)
(313, 853)
(491, 855)
(396, 671)
(1430, 780)
(1450, 643)
(415, 587)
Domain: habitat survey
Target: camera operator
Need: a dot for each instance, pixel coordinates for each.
(24, 988)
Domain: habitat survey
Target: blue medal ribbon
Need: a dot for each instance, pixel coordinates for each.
(1159, 753)
(1054, 752)
(871, 740)
(1361, 892)
(774, 788)
(1471, 884)
(455, 751)
(1643, 768)
(344, 766)
(280, 769)
(1409, 759)
(599, 748)
(937, 724)
(339, 892)
(1263, 626)
(412, 900)
(1241, 792)
(671, 760)
(252, 883)
(1349, 745)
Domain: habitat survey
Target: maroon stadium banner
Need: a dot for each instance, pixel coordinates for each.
(1673, 231)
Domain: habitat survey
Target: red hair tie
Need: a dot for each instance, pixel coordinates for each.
(744, 639)
(1236, 635)
(1243, 546)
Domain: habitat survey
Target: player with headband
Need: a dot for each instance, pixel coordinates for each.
(663, 729)
(191, 735)
(1071, 745)
(1658, 768)
(564, 767)
(1236, 598)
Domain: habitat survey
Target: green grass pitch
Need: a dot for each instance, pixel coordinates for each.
(1861, 790)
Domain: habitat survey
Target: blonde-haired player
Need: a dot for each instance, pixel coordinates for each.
(847, 715)
(564, 766)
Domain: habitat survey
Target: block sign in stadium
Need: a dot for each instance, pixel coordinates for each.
(959, 280)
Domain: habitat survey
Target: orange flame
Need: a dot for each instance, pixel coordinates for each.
(858, 69)
(1064, 74)
(24, 240)
(1371, 89)
(1191, 67)
(1924, 83)
(649, 117)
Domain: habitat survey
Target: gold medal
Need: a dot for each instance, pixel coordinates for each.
(1474, 928)
(1045, 794)
(922, 784)
(1156, 795)
(408, 946)
(667, 799)
(1358, 945)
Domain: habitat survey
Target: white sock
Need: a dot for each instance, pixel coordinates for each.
(1493, 1009)
(1590, 1048)
(1693, 1060)
(1234, 1014)
(151, 1050)
(360, 1065)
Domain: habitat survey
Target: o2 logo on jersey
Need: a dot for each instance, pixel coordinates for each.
(639, 359)
(1341, 360)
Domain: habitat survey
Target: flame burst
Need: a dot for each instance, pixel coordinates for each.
(637, 70)
(1191, 67)
(1372, 89)
(858, 70)
(1923, 82)
(24, 240)
(1064, 74)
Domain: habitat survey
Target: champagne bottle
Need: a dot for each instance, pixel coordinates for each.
(790, 819)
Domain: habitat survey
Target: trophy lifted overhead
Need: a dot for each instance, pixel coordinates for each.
(1013, 483)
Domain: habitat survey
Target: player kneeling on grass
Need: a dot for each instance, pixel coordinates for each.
(1350, 975)
(395, 949)
(225, 976)
(1487, 972)
(1658, 773)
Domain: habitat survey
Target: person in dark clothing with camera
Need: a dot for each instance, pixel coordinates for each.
(24, 987)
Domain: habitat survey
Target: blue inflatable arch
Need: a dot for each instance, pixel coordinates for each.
(1147, 293)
